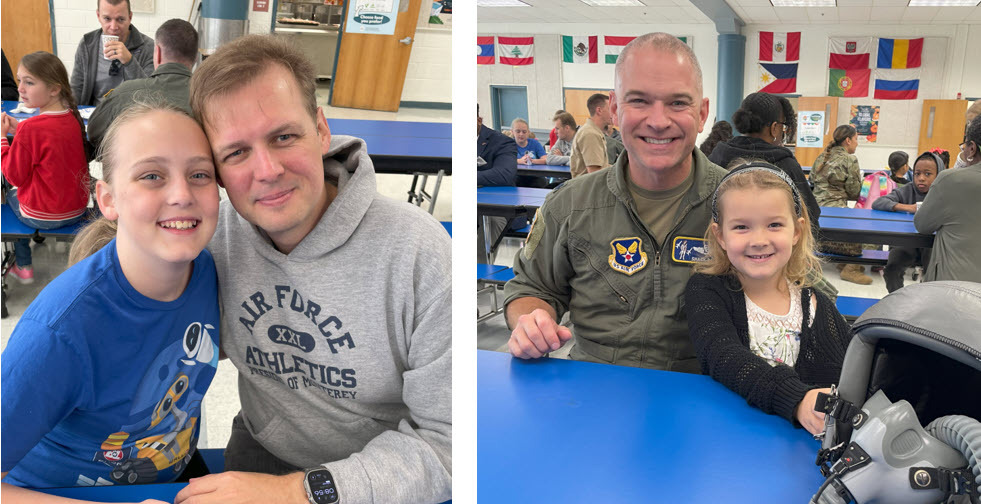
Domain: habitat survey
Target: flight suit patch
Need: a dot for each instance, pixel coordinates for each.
(686, 249)
(628, 256)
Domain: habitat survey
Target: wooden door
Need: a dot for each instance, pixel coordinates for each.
(575, 102)
(942, 125)
(26, 28)
(370, 68)
(829, 104)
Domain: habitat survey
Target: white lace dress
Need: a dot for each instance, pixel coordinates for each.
(776, 338)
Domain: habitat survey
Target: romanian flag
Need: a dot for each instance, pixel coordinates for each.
(899, 53)
(485, 50)
(850, 83)
(897, 84)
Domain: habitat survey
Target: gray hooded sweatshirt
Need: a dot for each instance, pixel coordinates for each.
(343, 346)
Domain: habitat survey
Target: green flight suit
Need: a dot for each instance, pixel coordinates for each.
(590, 254)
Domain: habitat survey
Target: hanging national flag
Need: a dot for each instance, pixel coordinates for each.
(850, 53)
(580, 49)
(850, 83)
(779, 46)
(899, 53)
(485, 50)
(516, 50)
(897, 84)
(613, 47)
(778, 78)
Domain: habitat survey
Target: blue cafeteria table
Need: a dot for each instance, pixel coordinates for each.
(553, 430)
(551, 171)
(886, 232)
(865, 213)
(508, 202)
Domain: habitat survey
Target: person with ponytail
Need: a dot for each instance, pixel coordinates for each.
(837, 179)
(47, 161)
(103, 377)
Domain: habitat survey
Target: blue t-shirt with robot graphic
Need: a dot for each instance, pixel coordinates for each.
(102, 385)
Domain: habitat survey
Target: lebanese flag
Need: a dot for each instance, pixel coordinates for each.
(849, 83)
(516, 50)
(579, 49)
(897, 84)
(778, 78)
(850, 53)
(485, 50)
(899, 53)
(614, 46)
(779, 46)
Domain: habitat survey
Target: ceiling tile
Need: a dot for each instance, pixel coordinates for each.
(762, 14)
(792, 14)
(889, 3)
(887, 13)
(920, 14)
(953, 13)
(823, 14)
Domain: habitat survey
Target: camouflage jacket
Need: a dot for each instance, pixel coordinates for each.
(838, 180)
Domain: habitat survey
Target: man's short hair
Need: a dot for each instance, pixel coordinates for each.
(129, 8)
(178, 41)
(661, 42)
(596, 101)
(566, 119)
(239, 62)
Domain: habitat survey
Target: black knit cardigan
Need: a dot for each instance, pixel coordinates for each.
(717, 324)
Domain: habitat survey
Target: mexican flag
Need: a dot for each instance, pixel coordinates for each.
(849, 83)
(580, 49)
(516, 50)
(614, 45)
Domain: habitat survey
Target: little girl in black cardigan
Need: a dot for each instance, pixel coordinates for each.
(756, 323)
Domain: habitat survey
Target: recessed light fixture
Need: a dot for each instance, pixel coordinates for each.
(501, 3)
(803, 3)
(943, 3)
(614, 3)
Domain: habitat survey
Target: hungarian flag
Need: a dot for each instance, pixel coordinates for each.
(580, 49)
(614, 45)
(850, 53)
(516, 50)
(850, 83)
(779, 46)
(897, 84)
(778, 78)
(899, 53)
(485, 50)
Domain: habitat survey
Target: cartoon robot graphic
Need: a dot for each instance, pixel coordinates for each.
(144, 459)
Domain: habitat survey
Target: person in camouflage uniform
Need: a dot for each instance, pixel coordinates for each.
(837, 179)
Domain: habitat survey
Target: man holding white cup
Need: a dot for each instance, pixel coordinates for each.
(108, 56)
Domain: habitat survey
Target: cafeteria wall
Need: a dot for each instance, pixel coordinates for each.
(549, 75)
(427, 79)
(946, 70)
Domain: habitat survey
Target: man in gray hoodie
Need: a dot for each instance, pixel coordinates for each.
(335, 300)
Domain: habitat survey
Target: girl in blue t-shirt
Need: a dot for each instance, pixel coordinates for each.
(103, 376)
(530, 151)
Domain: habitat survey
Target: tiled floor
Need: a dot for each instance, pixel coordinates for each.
(493, 333)
(221, 403)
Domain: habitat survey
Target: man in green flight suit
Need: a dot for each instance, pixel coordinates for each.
(614, 248)
(174, 53)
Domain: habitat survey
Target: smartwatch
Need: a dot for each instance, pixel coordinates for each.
(319, 484)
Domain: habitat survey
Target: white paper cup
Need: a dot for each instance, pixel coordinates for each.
(918, 205)
(106, 39)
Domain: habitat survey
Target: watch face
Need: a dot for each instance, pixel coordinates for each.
(322, 487)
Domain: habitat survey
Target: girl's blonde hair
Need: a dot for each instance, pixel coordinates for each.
(802, 257)
(99, 232)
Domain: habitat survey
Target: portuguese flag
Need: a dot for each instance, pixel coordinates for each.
(849, 83)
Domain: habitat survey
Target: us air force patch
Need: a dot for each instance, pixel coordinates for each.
(534, 235)
(685, 249)
(628, 256)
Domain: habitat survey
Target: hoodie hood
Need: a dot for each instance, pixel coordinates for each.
(940, 167)
(748, 147)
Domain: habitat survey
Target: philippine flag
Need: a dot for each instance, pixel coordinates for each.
(485, 50)
(778, 78)
(517, 50)
(779, 47)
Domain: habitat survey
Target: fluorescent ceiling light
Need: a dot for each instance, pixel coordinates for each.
(614, 3)
(803, 3)
(501, 3)
(943, 3)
